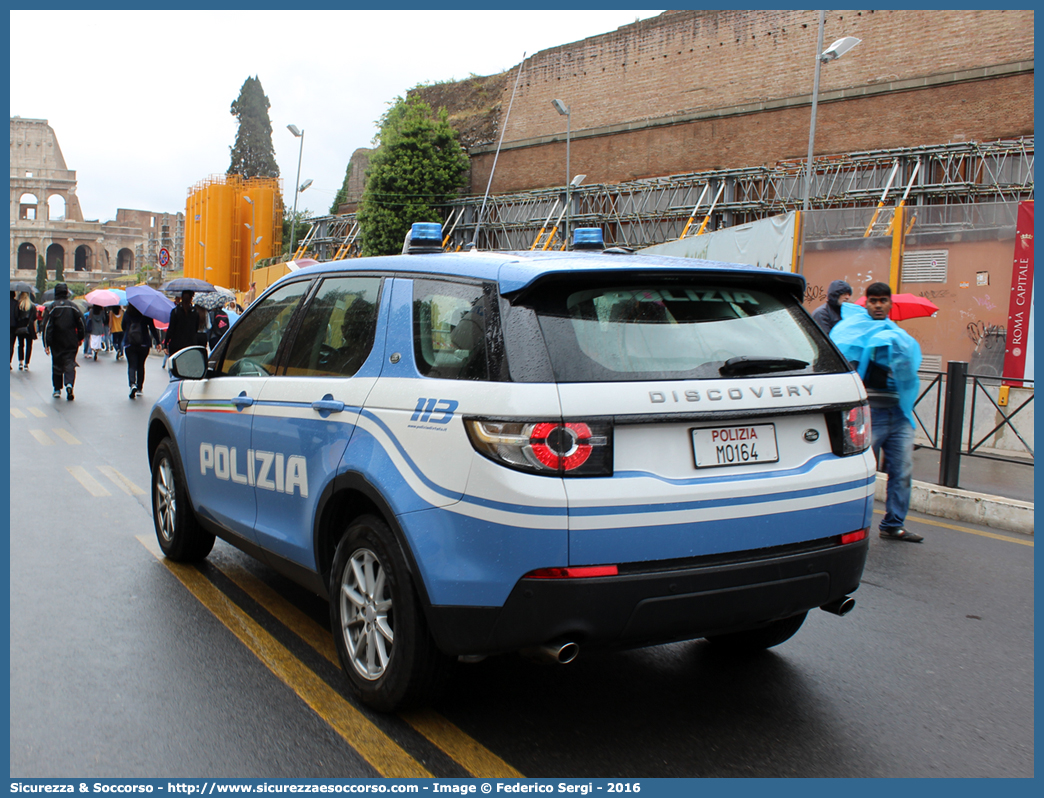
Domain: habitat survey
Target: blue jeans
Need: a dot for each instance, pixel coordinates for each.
(893, 433)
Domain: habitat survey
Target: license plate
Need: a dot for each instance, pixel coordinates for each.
(728, 446)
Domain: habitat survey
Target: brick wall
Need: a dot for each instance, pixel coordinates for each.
(696, 90)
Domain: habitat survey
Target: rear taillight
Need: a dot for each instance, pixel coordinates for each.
(551, 448)
(582, 572)
(855, 429)
(854, 537)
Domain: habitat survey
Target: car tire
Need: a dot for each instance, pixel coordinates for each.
(761, 638)
(177, 528)
(382, 637)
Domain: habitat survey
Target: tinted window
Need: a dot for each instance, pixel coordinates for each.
(254, 341)
(336, 333)
(449, 330)
(674, 330)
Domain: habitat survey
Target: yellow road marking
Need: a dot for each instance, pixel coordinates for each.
(68, 437)
(41, 437)
(978, 532)
(476, 759)
(120, 481)
(373, 745)
(37, 412)
(16, 395)
(460, 747)
(94, 487)
(17, 413)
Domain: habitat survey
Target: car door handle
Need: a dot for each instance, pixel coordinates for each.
(242, 400)
(327, 405)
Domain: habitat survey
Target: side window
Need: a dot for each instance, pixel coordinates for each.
(336, 334)
(449, 330)
(254, 341)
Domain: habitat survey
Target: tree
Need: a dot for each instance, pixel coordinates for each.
(59, 270)
(419, 165)
(253, 155)
(41, 275)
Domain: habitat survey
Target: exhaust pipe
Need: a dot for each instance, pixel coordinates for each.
(841, 606)
(557, 653)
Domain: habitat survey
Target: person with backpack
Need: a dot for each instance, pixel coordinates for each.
(139, 332)
(63, 331)
(218, 326)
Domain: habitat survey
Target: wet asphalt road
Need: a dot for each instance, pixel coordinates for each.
(117, 669)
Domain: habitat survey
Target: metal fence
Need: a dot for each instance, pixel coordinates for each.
(961, 414)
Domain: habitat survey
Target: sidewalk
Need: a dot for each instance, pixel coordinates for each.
(991, 493)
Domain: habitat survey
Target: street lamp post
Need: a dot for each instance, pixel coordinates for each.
(293, 219)
(565, 111)
(834, 51)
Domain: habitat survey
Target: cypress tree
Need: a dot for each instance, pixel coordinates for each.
(41, 275)
(253, 154)
(418, 167)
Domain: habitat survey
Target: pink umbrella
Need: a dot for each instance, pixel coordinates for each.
(103, 298)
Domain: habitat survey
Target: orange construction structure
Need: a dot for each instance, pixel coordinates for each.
(230, 224)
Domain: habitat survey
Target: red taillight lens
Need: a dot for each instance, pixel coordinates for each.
(551, 448)
(583, 572)
(565, 446)
(856, 432)
(854, 537)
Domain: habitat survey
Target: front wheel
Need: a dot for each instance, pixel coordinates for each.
(379, 627)
(757, 639)
(177, 528)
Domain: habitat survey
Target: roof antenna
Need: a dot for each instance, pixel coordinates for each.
(503, 130)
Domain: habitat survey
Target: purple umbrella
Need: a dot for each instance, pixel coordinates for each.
(150, 302)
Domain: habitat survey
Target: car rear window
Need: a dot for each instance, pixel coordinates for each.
(649, 330)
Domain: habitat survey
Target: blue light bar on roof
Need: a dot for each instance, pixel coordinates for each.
(588, 238)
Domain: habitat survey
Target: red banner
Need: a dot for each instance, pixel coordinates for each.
(1018, 349)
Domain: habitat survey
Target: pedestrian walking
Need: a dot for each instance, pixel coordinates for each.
(63, 330)
(98, 326)
(14, 319)
(218, 326)
(886, 358)
(116, 330)
(139, 332)
(183, 326)
(829, 313)
(25, 329)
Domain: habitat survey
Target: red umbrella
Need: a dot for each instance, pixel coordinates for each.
(105, 299)
(907, 306)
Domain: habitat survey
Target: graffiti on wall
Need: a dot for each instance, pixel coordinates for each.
(992, 334)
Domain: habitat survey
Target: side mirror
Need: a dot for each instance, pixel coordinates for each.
(188, 364)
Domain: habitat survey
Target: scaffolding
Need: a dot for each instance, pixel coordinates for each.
(642, 213)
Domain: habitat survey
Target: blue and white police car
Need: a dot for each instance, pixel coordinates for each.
(485, 452)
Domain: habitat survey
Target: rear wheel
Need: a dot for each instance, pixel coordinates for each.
(177, 529)
(379, 627)
(757, 639)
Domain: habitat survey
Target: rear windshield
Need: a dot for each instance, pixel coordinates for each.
(676, 330)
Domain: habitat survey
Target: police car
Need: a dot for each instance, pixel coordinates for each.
(485, 452)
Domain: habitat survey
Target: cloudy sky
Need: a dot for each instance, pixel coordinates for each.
(139, 100)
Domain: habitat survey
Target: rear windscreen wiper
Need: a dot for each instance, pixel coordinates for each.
(747, 365)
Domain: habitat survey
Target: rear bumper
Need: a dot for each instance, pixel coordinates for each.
(645, 606)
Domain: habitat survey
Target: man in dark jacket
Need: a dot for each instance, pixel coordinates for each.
(184, 324)
(826, 316)
(63, 331)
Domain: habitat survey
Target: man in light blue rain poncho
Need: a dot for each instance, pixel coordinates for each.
(887, 359)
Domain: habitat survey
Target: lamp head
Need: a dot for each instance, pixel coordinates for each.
(305, 184)
(577, 180)
(294, 129)
(838, 48)
(560, 107)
